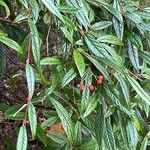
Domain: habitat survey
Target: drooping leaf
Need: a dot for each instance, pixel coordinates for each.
(79, 61)
(57, 137)
(35, 41)
(140, 91)
(69, 76)
(30, 81)
(101, 25)
(133, 54)
(65, 118)
(118, 26)
(35, 9)
(109, 136)
(32, 119)
(11, 43)
(52, 8)
(90, 106)
(109, 39)
(22, 139)
(82, 15)
(100, 126)
(41, 134)
(50, 61)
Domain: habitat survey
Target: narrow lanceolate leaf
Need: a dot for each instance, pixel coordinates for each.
(124, 87)
(30, 81)
(65, 119)
(24, 3)
(32, 119)
(57, 137)
(50, 61)
(69, 76)
(98, 65)
(116, 101)
(132, 135)
(133, 54)
(90, 106)
(35, 9)
(52, 8)
(22, 139)
(109, 136)
(118, 26)
(144, 144)
(35, 41)
(68, 9)
(101, 25)
(11, 43)
(137, 87)
(110, 39)
(146, 56)
(79, 61)
(95, 47)
(82, 15)
(100, 126)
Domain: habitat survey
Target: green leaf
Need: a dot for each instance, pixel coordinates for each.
(133, 55)
(48, 123)
(52, 8)
(35, 9)
(100, 126)
(95, 47)
(11, 43)
(69, 76)
(57, 137)
(101, 25)
(22, 139)
(139, 90)
(65, 119)
(2, 3)
(68, 34)
(90, 106)
(110, 39)
(24, 3)
(132, 135)
(144, 144)
(82, 15)
(100, 67)
(79, 61)
(50, 61)
(124, 87)
(41, 134)
(35, 41)
(118, 26)
(146, 56)
(32, 119)
(68, 9)
(30, 81)
(116, 101)
(109, 136)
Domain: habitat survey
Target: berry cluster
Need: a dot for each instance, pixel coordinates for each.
(91, 87)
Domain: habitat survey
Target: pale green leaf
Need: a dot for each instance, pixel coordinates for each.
(32, 119)
(22, 139)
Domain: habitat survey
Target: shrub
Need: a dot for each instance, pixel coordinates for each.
(87, 62)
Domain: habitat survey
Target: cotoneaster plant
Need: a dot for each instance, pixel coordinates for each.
(87, 70)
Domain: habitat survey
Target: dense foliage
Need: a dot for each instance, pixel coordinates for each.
(87, 64)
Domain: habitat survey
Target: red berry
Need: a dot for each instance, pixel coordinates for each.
(101, 77)
(99, 81)
(82, 87)
(91, 87)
